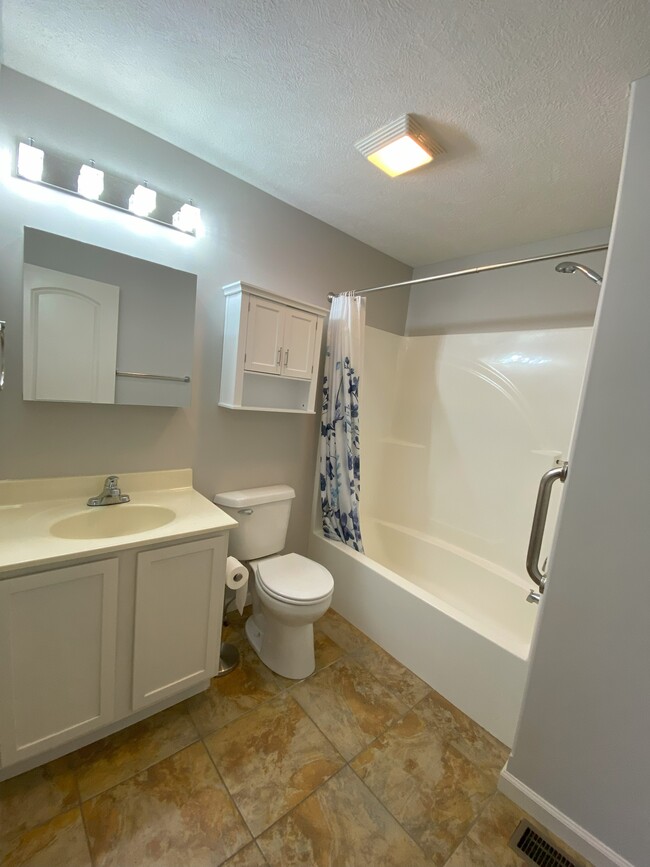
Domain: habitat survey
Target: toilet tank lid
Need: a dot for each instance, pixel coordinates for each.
(254, 496)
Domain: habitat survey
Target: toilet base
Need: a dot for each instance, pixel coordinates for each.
(286, 650)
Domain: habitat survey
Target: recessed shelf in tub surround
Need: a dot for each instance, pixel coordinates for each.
(31, 508)
(392, 441)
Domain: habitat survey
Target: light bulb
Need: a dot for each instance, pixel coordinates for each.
(90, 182)
(30, 162)
(142, 201)
(187, 219)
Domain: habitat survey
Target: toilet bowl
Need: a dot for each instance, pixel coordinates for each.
(290, 592)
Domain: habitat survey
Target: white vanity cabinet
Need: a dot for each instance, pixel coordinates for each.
(91, 647)
(178, 611)
(57, 656)
(271, 351)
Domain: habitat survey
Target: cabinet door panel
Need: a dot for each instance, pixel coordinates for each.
(57, 656)
(264, 336)
(178, 611)
(299, 339)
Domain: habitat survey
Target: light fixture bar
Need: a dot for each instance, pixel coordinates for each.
(82, 179)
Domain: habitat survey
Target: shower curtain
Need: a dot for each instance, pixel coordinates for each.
(339, 445)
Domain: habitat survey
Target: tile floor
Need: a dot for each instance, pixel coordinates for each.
(361, 764)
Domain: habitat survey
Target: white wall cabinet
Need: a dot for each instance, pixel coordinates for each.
(178, 599)
(91, 647)
(57, 656)
(271, 351)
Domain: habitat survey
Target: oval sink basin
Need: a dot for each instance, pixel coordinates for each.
(102, 522)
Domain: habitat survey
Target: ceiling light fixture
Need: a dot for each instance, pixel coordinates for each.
(30, 161)
(90, 183)
(399, 147)
(187, 218)
(143, 200)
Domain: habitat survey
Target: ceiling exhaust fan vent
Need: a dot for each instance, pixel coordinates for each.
(528, 843)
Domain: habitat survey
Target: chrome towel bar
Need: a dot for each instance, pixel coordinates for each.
(152, 376)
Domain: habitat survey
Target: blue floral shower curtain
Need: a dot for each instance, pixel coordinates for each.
(339, 445)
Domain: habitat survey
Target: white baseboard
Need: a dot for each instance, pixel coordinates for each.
(550, 817)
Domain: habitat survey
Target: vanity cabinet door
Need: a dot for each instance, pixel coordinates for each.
(178, 612)
(57, 656)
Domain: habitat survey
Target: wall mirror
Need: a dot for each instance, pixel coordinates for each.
(103, 327)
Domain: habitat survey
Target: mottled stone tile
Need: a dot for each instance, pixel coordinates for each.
(487, 843)
(249, 856)
(472, 741)
(60, 842)
(348, 704)
(393, 675)
(227, 698)
(341, 631)
(36, 796)
(176, 812)
(115, 758)
(430, 788)
(341, 825)
(271, 759)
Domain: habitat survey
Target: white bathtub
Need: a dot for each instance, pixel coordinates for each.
(459, 622)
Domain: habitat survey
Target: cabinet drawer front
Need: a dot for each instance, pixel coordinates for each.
(299, 341)
(178, 611)
(264, 336)
(57, 656)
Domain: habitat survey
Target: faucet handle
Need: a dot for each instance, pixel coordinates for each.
(111, 482)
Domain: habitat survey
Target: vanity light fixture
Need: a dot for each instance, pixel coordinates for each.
(143, 200)
(399, 147)
(30, 161)
(84, 180)
(187, 218)
(90, 183)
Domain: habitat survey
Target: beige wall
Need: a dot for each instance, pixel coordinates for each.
(513, 299)
(582, 753)
(249, 236)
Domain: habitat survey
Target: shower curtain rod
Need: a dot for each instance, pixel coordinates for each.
(478, 270)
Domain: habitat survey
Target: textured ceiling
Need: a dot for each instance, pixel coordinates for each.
(527, 98)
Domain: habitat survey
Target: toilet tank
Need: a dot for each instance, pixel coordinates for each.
(263, 516)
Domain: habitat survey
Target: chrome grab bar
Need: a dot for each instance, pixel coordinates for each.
(3, 326)
(538, 526)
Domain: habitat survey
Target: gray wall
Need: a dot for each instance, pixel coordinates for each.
(528, 296)
(249, 236)
(583, 743)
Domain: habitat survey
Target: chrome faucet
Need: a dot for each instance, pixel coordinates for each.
(111, 495)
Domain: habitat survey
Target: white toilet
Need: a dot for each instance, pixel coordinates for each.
(290, 592)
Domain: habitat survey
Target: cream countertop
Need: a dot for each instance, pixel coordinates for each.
(29, 507)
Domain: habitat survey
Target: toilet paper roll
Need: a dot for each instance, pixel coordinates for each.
(237, 580)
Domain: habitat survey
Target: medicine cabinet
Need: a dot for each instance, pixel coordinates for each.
(103, 327)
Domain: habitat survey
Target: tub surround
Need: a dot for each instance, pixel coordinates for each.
(30, 508)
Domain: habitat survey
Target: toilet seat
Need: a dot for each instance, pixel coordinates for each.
(294, 579)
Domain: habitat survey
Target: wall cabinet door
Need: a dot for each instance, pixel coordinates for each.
(264, 336)
(178, 612)
(299, 339)
(57, 656)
